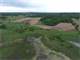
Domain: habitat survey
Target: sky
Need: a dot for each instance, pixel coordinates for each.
(39, 5)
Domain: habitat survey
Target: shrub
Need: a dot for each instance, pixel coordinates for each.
(54, 20)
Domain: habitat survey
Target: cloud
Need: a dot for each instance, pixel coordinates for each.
(4, 8)
(15, 9)
(40, 5)
(16, 3)
(22, 3)
(62, 6)
(20, 6)
(17, 6)
(37, 3)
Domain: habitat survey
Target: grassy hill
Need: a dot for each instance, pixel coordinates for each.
(13, 41)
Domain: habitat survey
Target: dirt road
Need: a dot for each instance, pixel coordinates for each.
(44, 53)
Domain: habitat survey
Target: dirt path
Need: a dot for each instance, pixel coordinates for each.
(25, 19)
(77, 44)
(44, 53)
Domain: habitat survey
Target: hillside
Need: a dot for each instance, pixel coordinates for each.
(24, 41)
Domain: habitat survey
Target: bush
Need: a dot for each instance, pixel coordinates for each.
(2, 26)
(20, 27)
(54, 20)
